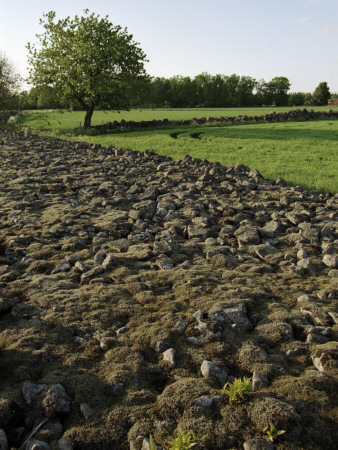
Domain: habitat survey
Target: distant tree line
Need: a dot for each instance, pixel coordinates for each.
(204, 90)
(87, 63)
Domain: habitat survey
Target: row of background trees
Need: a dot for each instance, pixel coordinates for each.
(204, 90)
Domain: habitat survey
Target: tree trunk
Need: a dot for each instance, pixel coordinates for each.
(88, 118)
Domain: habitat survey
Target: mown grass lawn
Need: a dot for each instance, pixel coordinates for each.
(49, 120)
(303, 153)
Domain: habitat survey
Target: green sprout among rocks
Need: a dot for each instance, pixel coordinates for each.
(238, 390)
(152, 443)
(183, 441)
(273, 432)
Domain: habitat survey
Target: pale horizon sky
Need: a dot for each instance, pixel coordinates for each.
(263, 39)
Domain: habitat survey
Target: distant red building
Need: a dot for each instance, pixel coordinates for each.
(333, 101)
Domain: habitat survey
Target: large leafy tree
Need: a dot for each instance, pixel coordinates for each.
(9, 83)
(87, 59)
(321, 94)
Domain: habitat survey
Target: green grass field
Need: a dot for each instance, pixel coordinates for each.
(47, 120)
(303, 153)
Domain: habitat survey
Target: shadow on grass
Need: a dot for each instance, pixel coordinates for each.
(255, 132)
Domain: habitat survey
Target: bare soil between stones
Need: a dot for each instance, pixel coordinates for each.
(133, 286)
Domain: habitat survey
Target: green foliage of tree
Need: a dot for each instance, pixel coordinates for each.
(321, 94)
(297, 99)
(210, 91)
(88, 60)
(48, 98)
(29, 99)
(245, 91)
(274, 92)
(9, 84)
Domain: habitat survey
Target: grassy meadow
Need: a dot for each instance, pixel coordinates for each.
(46, 120)
(303, 153)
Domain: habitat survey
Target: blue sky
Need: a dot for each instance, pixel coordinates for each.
(259, 38)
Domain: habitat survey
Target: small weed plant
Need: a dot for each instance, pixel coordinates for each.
(184, 441)
(181, 442)
(238, 390)
(272, 432)
(152, 443)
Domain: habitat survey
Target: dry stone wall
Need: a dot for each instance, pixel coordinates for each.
(293, 115)
(133, 286)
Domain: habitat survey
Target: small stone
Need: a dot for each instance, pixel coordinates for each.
(86, 410)
(316, 316)
(198, 315)
(57, 400)
(53, 427)
(326, 332)
(64, 266)
(210, 242)
(161, 346)
(107, 343)
(37, 445)
(30, 391)
(3, 440)
(301, 254)
(121, 330)
(87, 276)
(330, 261)
(258, 381)
(209, 369)
(117, 389)
(258, 444)
(296, 217)
(304, 298)
(208, 401)
(65, 444)
(108, 262)
(204, 402)
(334, 316)
(35, 321)
(306, 264)
(181, 325)
(147, 446)
(324, 359)
(81, 266)
(169, 356)
(249, 237)
(71, 259)
(294, 352)
(312, 338)
(99, 257)
(274, 227)
(165, 264)
(232, 314)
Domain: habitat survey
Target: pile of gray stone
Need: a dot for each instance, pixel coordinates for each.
(134, 286)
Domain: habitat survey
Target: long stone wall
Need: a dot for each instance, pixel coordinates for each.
(293, 115)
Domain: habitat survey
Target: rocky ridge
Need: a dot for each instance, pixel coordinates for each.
(133, 286)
